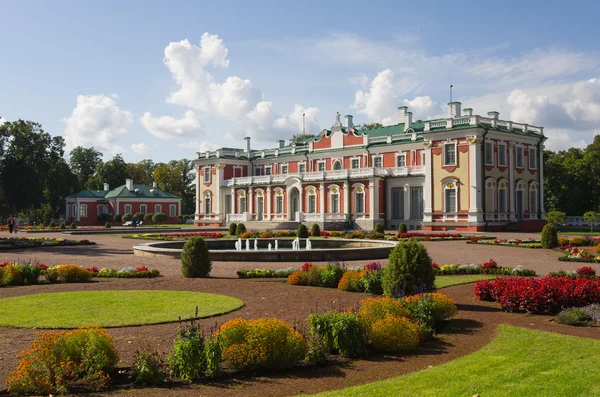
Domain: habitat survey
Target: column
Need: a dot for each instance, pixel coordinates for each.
(217, 197)
(427, 191)
(249, 203)
(541, 183)
(511, 180)
(347, 197)
(198, 185)
(475, 188)
(322, 201)
(269, 198)
(233, 201)
(406, 202)
(372, 200)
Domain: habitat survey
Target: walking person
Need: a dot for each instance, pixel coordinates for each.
(15, 224)
(11, 223)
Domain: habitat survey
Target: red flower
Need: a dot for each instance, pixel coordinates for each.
(141, 269)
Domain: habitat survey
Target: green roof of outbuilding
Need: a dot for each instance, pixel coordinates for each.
(90, 194)
(139, 191)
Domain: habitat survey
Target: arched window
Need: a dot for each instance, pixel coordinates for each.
(533, 198)
(337, 165)
(502, 196)
(450, 195)
(359, 200)
(311, 195)
(279, 201)
(334, 197)
(241, 202)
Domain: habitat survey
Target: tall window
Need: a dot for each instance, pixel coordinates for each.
(207, 206)
(312, 203)
(337, 165)
(450, 200)
(502, 200)
(257, 171)
(157, 208)
(321, 166)
(206, 174)
(242, 206)
(284, 168)
(519, 157)
(489, 153)
(335, 202)
(268, 170)
(397, 203)
(83, 210)
(102, 209)
(355, 163)
(377, 161)
(450, 153)
(416, 202)
(172, 210)
(532, 159)
(301, 167)
(359, 205)
(143, 209)
(279, 204)
(127, 208)
(533, 200)
(401, 160)
(502, 154)
(422, 157)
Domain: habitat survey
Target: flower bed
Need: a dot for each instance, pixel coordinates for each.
(489, 267)
(546, 295)
(264, 273)
(175, 236)
(437, 236)
(127, 272)
(575, 254)
(531, 243)
(8, 243)
(582, 272)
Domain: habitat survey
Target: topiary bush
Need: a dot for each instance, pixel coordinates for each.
(402, 228)
(139, 216)
(148, 217)
(379, 228)
(51, 225)
(159, 217)
(73, 226)
(107, 225)
(240, 229)
(118, 218)
(62, 226)
(302, 231)
(127, 218)
(194, 258)
(232, 229)
(408, 270)
(315, 231)
(549, 236)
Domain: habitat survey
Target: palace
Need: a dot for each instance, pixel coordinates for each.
(465, 172)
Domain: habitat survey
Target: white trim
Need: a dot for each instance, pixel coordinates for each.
(145, 209)
(207, 174)
(453, 185)
(268, 167)
(157, 210)
(355, 192)
(303, 163)
(174, 208)
(352, 159)
(287, 168)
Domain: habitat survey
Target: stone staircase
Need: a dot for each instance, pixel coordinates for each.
(261, 226)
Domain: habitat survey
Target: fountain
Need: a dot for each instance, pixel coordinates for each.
(276, 245)
(247, 244)
(308, 244)
(238, 244)
(270, 247)
(255, 245)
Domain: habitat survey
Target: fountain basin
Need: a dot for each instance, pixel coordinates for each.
(322, 250)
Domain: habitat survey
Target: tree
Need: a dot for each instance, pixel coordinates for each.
(371, 126)
(114, 172)
(300, 137)
(556, 218)
(177, 177)
(591, 217)
(139, 173)
(83, 163)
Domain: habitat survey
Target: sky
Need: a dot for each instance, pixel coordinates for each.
(163, 80)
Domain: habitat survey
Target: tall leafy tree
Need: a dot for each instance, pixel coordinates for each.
(141, 172)
(177, 177)
(83, 162)
(114, 172)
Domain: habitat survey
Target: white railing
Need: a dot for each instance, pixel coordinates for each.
(244, 217)
(336, 174)
(313, 176)
(438, 124)
(462, 120)
(362, 172)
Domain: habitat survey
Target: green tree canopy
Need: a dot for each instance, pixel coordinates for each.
(300, 137)
(114, 172)
(83, 162)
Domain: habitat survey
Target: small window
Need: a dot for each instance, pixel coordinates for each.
(128, 209)
(242, 206)
(401, 160)
(172, 210)
(355, 163)
(279, 204)
(502, 154)
(422, 157)
(519, 157)
(207, 206)
(258, 171)
(377, 161)
(321, 166)
(360, 202)
(268, 170)
(337, 165)
(206, 174)
(312, 203)
(301, 167)
(143, 209)
(532, 159)
(157, 208)
(335, 203)
(284, 168)
(489, 153)
(450, 154)
(83, 210)
(450, 201)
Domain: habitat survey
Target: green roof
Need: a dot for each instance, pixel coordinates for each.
(139, 191)
(90, 194)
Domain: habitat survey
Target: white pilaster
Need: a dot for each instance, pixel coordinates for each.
(406, 202)
(427, 191)
(541, 183)
(233, 201)
(372, 200)
(511, 181)
(198, 184)
(269, 206)
(249, 203)
(346, 196)
(217, 198)
(322, 198)
(475, 164)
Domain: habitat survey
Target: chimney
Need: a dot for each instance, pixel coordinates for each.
(349, 123)
(106, 186)
(493, 114)
(280, 143)
(407, 121)
(154, 184)
(129, 184)
(468, 111)
(454, 109)
(247, 139)
(401, 112)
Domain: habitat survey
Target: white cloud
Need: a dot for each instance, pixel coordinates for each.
(167, 127)
(3, 120)
(140, 148)
(199, 146)
(96, 121)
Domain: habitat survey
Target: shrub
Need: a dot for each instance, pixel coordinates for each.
(51, 275)
(574, 316)
(331, 275)
(62, 226)
(29, 273)
(118, 218)
(579, 241)
(586, 271)
(343, 332)
(160, 217)
(232, 229)
(549, 236)
(194, 258)
(266, 235)
(73, 226)
(370, 281)
(213, 356)
(395, 334)
(313, 275)
(148, 367)
(107, 225)
(56, 361)
(297, 278)
(563, 241)
(12, 275)
(148, 217)
(375, 309)
(431, 308)
(187, 359)
(246, 235)
(408, 270)
(489, 265)
(402, 228)
(315, 231)
(127, 218)
(316, 348)
(240, 229)
(302, 231)
(597, 249)
(51, 225)
(350, 281)
(72, 273)
(556, 218)
(139, 216)
(379, 228)
(264, 343)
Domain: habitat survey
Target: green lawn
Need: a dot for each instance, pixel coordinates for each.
(518, 362)
(110, 308)
(447, 281)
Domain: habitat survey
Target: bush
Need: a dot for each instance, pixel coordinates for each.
(51, 275)
(107, 225)
(315, 231)
(316, 348)
(376, 309)
(148, 217)
(51, 225)
(232, 229)
(72, 273)
(343, 332)
(297, 278)
(181, 218)
(402, 228)
(11, 275)
(563, 241)
(62, 226)
(302, 231)
(246, 235)
(127, 218)
(195, 261)
(148, 367)
(379, 228)
(586, 272)
(57, 361)
(264, 343)
(370, 281)
(240, 229)
(597, 249)
(549, 236)
(350, 281)
(266, 235)
(579, 241)
(160, 217)
(73, 226)
(118, 218)
(395, 334)
(213, 356)
(187, 359)
(408, 270)
(431, 308)
(139, 216)
(29, 273)
(331, 275)
(574, 316)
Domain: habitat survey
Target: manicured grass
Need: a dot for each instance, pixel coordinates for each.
(447, 281)
(518, 362)
(596, 233)
(110, 308)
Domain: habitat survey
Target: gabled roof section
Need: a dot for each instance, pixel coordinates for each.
(121, 192)
(89, 194)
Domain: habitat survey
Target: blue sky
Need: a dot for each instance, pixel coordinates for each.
(121, 76)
